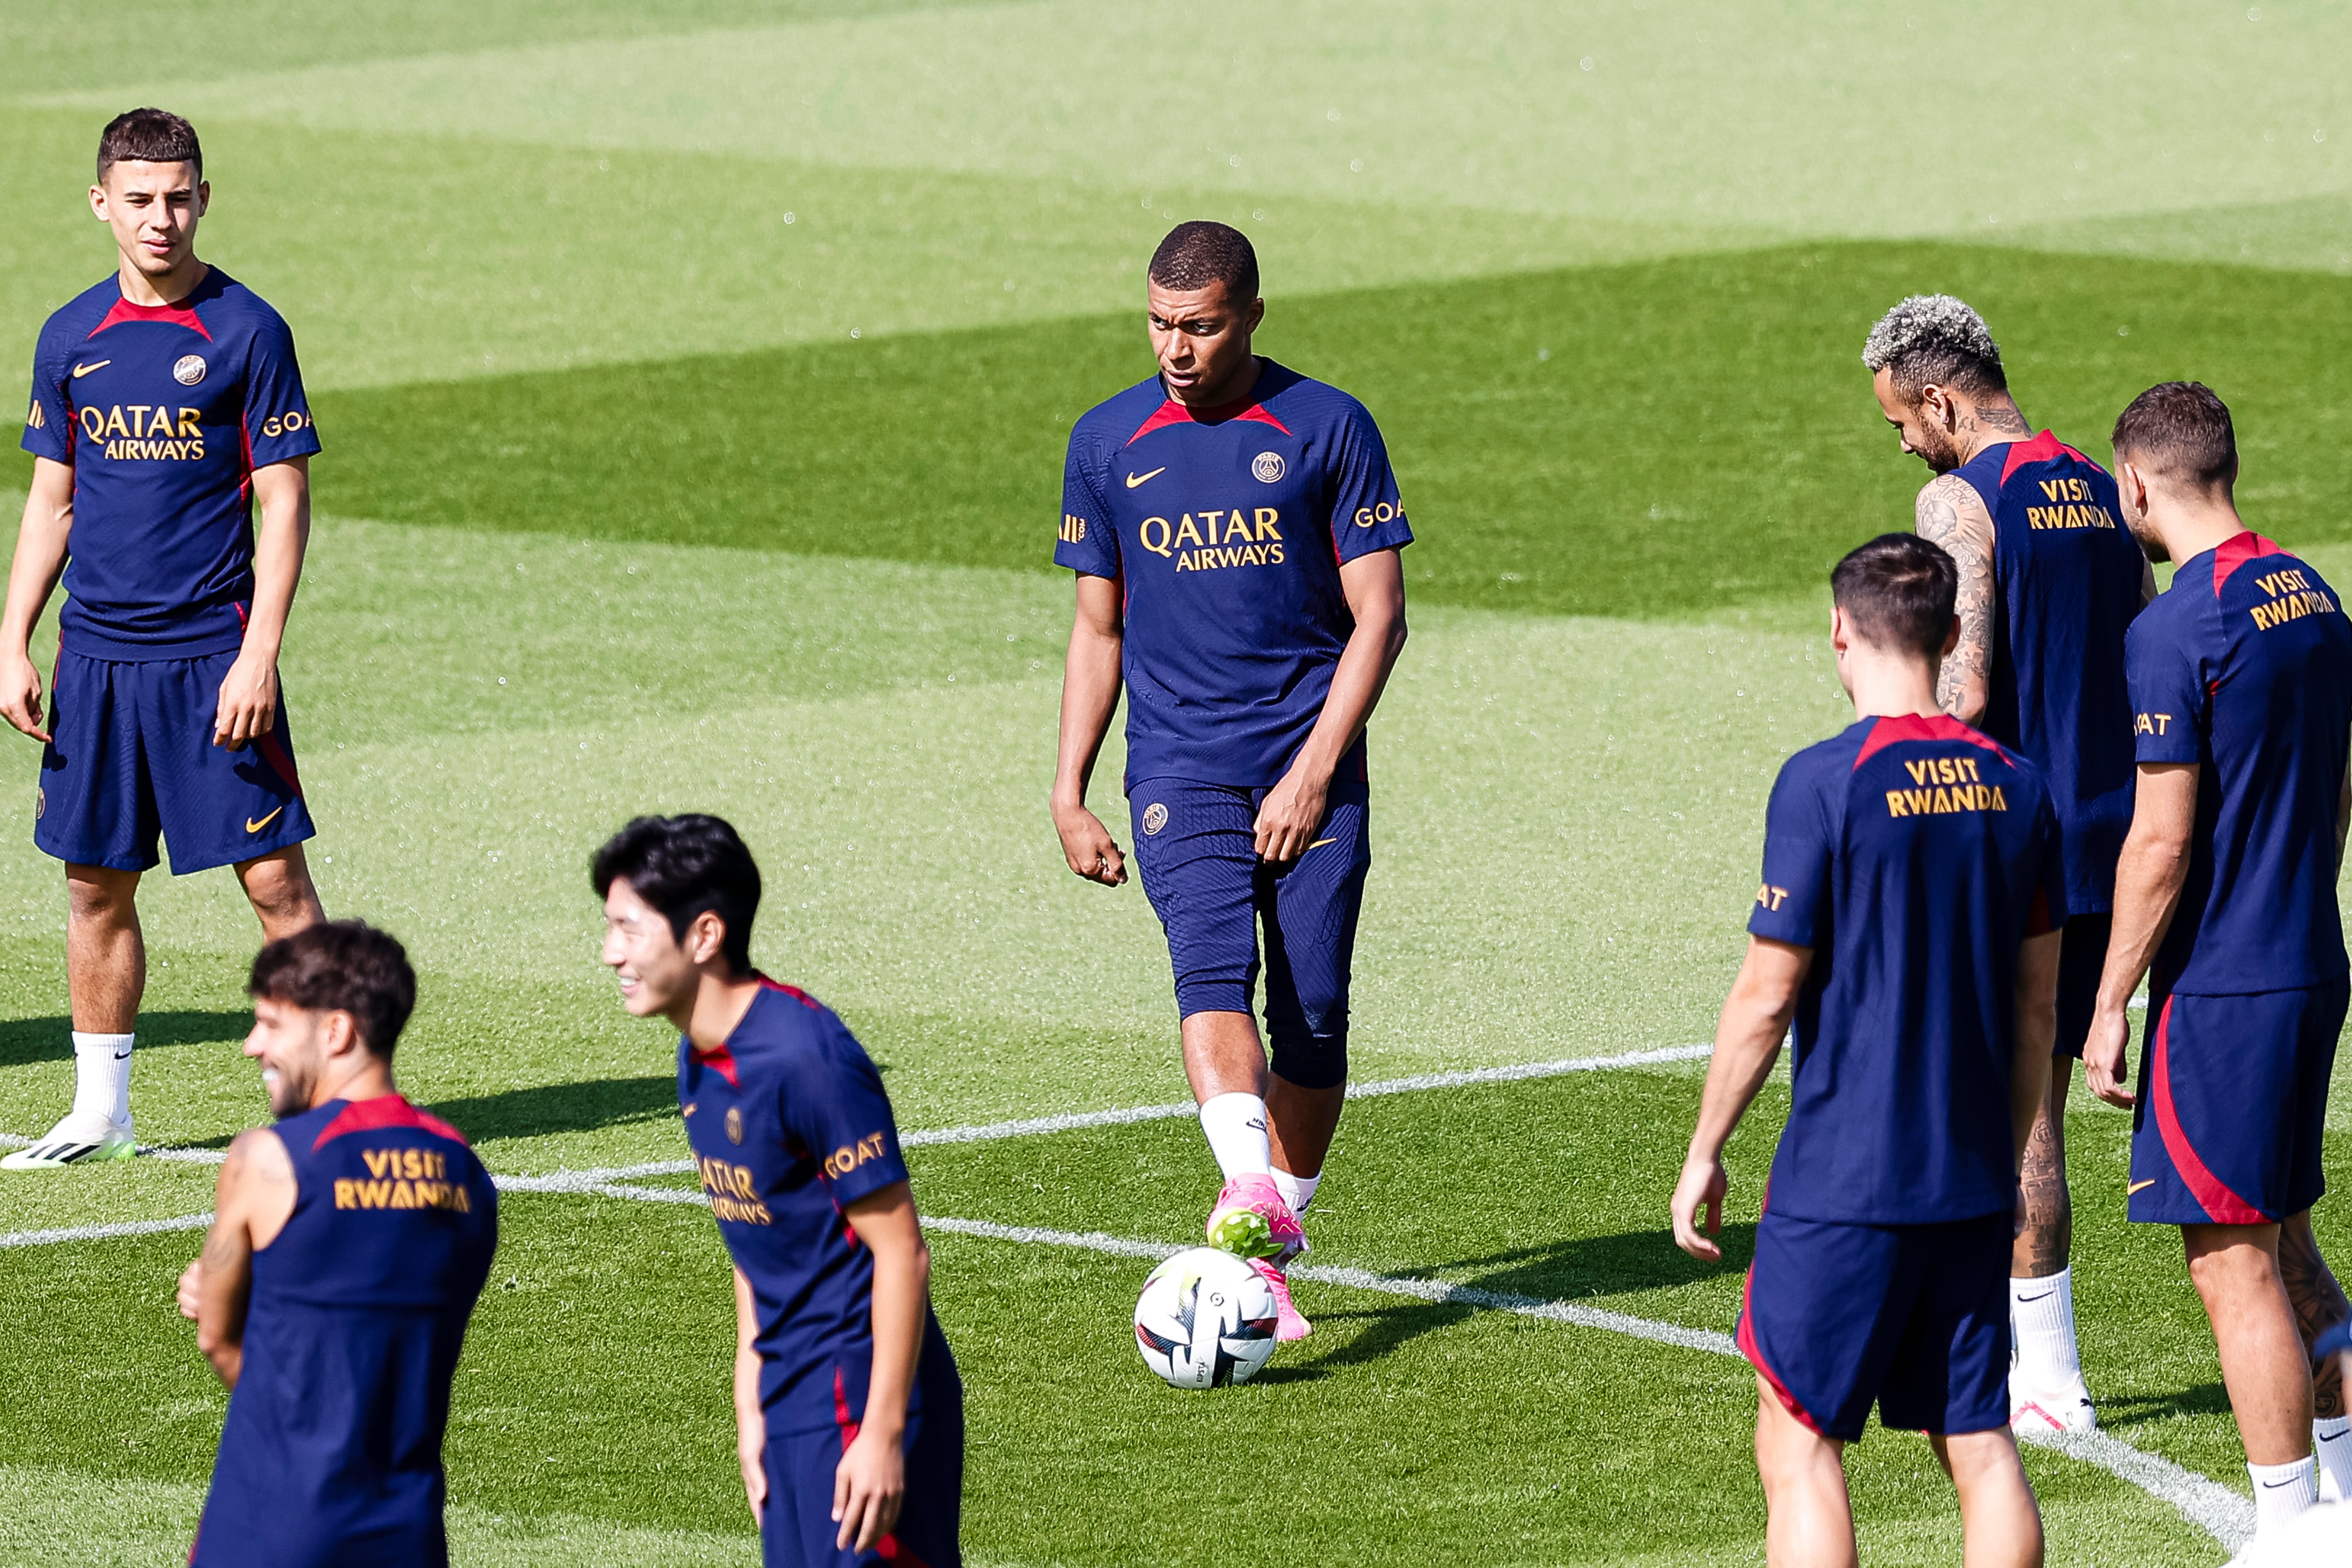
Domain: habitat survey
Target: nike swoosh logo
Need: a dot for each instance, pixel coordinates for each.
(2029, 1301)
(2137, 1186)
(83, 370)
(2273, 1486)
(1132, 480)
(253, 825)
(1320, 842)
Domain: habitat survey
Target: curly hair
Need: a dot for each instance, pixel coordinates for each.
(1934, 340)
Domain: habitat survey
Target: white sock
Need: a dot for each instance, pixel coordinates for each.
(2332, 1438)
(2042, 1321)
(2283, 1493)
(1296, 1191)
(1235, 1127)
(102, 1074)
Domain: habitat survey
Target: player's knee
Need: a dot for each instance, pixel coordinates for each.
(1312, 1061)
(98, 892)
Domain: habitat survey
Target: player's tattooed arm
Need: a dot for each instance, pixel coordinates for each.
(2319, 1305)
(1950, 514)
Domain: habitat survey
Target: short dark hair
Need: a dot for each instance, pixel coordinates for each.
(1934, 340)
(149, 136)
(683, 866)
(2180, 429)
(1197, 254)
(1899, 590)
(342, 966)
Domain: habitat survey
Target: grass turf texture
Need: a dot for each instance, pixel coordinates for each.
(644, 529)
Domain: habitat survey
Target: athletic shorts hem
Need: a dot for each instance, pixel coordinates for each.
(101, 862)
(212, 860)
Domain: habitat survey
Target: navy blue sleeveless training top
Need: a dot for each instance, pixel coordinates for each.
(331, 1454)
(2069, 577)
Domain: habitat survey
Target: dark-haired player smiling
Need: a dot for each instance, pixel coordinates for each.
(1235, 528)
(849, 1414)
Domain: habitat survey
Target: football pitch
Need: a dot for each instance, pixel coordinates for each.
(694, 377)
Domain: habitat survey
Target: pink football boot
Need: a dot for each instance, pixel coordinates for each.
(1251, 1220)
(1289, 1324)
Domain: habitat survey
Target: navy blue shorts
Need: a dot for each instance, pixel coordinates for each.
(1911, 1318)
(1195, 845)
(797, 1529)
(131, 756)
(2232, 1102)
(2082, 955)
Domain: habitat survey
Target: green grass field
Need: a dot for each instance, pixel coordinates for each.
(694, 377)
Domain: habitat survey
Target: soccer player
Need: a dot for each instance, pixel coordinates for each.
(1908, 925)
(166, 401)
(2049, 581)
(1234, 528)
(347, 1246)
(2242, 692)
(849, 1411)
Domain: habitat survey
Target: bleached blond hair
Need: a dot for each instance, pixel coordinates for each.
(1935, 340)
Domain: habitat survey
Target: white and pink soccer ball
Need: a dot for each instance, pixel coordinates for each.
(1206, 1319)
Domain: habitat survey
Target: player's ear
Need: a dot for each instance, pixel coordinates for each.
(1951, 638)
(1253, 315)
(342, 1033)
(705, 937)
(203, 196)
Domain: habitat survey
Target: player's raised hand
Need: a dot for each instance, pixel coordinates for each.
(1088, 846)
(1290, 813)
(2107, 1052)
(1704, 1185)
(20, 695)
(868, 1487)
(248, 702)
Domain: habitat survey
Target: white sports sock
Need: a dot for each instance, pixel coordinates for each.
(2283, 1493)
(1296, 1191)
(2333, 1440)
(2042, 1321)
(102, 1074)
(1235, 1127)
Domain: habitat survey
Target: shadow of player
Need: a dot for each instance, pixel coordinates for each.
(28, 1040)
(562, 1108)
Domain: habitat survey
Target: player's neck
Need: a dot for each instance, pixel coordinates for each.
(717, 1006)
(1989, 424)
(164, 289)
(1890, 686)
(361, 1077)
(2191, 526)
(1231, 390)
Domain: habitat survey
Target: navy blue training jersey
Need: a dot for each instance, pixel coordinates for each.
(1227, 528)
(164, 412)
(331, 1453)
(2244, 666)
(2069, 577)
(1913, 855)
(790, 1126)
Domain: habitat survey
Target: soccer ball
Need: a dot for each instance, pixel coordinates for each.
(1206, 1319)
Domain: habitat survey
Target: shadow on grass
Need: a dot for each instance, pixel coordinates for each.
(563, 1107)
(2203, 1399)
(1597, 1266)
(25, 1040)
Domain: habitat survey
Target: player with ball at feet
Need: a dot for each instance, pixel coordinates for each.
(849, 1411)
(1908, 927)
(1234, 528)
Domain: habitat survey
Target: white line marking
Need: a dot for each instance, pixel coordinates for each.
(99, 1232)
(2205, 1503)
(2211, 1507)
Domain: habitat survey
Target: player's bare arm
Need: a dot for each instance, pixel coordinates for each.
(751, 1421)
(1747, 1044)
(871, 1482)
(1949, 513)
(1293, 810)
(1091, 687)
(2037, 1034)
(249, 696)
(252, 1199)
(2149, 880)
(41, 541)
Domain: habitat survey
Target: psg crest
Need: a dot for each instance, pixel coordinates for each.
(1267, 467)
(190, 370)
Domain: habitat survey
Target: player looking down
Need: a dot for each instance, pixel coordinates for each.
(348, 1244)
(166, 401)
(1234, 528)
(2049, 581)
(2225, 898)
(1883, 1248)
(849, 1411)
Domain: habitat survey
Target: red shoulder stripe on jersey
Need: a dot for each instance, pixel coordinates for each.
(1174, 413)
(2042, 448)
(794, 992)
(2212, 1192)
(2236, 551)
(172, 315)
(721, 1060)
(383, 1111)
(1895, 728)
